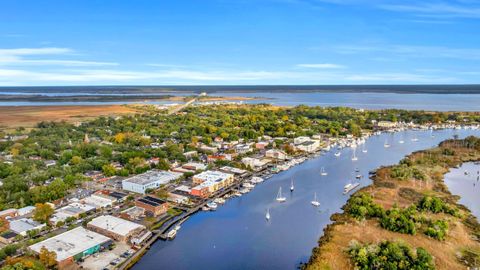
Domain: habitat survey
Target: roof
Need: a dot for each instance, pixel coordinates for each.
(24, 224)
(25, 210)
(213, 176)
(152, 176)
(71, 243)
(8, 211)
(114, 224)
(117, 195)
(151, 201)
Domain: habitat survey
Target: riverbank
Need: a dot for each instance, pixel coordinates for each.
(398, 187)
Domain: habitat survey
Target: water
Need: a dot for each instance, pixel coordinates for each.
(350, 97)
(466, 186)
(237, 236)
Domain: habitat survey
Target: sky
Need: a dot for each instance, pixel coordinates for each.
(243, 42)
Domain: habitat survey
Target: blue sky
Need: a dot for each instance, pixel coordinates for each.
(208, 42)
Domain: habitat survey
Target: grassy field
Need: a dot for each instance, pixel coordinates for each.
(28, 116)
(463, 232)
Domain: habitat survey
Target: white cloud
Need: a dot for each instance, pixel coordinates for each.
(321, 66)
(20, 57)
(437, 9)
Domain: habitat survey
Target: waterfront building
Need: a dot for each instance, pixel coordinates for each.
(152, 205)
(254, 163)
(149, 180)
(73, 245)
(208, 182)
(309, 146)
(276, 154)
(116, 228)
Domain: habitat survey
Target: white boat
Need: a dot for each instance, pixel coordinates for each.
(364, 150)
(323, 172)
(315, 202)
(213, 206)
(244, 190)
(205, 208)
(337, 154)
(280, 198)
(267, 215)
(386, 144)
(237, 194)
(354, 155)
(415, 139)
(292, 187)
(248, 185)
(401, 141)
(256, 180)
(349, 187)
(219, 201)
(171, 234)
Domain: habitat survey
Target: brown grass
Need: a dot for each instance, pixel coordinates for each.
(332, 246)
(29, 116)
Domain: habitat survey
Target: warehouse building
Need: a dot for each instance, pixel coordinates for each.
(73, 245)
(149, 180)
(153, 206)
(116, 228)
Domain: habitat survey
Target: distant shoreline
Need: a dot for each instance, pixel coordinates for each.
(195, 89)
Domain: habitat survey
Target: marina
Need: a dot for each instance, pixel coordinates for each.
(239, 225)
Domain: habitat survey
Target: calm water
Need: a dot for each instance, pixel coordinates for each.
(466, 186)
(237, 236)
(436, 102)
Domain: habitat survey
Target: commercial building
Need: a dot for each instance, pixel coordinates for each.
(25, 210)
(72, 210)
(73, 245)
(149, 180)
(309, 146)
(116, 228)
(210, 181)
(153, 206)
(99, 200)
(276, 154)
(255, 163)
(23, 225)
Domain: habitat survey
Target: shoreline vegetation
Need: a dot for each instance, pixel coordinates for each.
(406, 219)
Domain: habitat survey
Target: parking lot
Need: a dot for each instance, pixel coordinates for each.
(102, 260)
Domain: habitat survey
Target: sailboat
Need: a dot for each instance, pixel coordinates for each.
(415, 139)
(431, 133)
(386, 144)
(354, 156)
(323, 172)
(280, 198)
(315, 202)
(364, 150)
(337, 154)
(292, 187)
(267, 215)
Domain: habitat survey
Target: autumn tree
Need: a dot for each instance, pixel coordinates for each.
(48, 258)
(42, 212)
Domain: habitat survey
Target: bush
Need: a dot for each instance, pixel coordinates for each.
(389, 255)
(436, 205)
(437, 229)
(400, 220)
(362, 206)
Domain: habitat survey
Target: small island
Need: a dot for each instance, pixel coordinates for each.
(407, 219)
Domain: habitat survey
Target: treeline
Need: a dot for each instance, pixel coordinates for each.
(403, 220)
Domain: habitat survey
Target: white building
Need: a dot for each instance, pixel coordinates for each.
(254, 163)
(73, 245)
(23, 225)
(301, 139)
(276, 154)
(308, 146)
(149, 180)
(116, 228)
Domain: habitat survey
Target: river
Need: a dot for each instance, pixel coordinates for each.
(467, 186)
(237, 235)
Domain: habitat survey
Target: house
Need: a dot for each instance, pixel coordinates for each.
(73, 245)
(190, 154)
(25, 210)
(152, 205)
(213, 158)
(194, 166)
(261, 145)
(242, 148)
(116, 228)
(254, 163)
(50, 163)
(149, 180)
(386, 124)
(276, 154)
